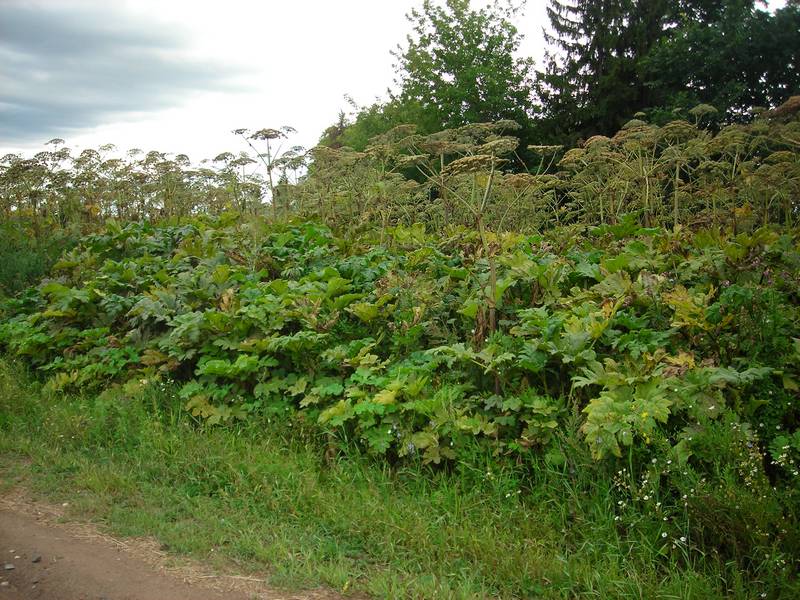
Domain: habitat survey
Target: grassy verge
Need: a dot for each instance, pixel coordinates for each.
(264, 499)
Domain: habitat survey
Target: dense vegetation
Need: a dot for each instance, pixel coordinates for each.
(670, 356)
(257, 496)
(680, 173)
(436, 307)
(626, 316)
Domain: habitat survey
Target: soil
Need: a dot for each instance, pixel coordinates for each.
(43, 558)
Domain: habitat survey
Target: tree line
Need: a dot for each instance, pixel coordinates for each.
(606, 61)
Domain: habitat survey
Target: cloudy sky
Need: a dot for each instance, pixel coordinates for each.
(179, 75)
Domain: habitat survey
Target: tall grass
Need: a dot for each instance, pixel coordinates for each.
(260, 498)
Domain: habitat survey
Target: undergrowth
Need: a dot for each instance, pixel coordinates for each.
(610, 409)
(26, 255)
(258, 496)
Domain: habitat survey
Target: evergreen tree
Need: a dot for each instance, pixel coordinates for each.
(592, 84)
(613, 58)
(732, 56)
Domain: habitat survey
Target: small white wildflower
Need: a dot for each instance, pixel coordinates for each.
(663, 535)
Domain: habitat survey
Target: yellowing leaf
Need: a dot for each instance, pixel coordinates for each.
(385, 397)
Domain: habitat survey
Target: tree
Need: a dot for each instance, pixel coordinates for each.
(591, 84)
(458, 67)
(734, 58)
(459, 64)
(374, 120)
(614, 58)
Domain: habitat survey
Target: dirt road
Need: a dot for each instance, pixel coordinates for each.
(43, 559)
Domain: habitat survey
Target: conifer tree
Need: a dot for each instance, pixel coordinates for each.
(591, 84)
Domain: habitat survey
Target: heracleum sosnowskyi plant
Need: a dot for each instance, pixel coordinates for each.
(631, 336)
(62, 189)
(273, 158)
(461, 166)
(676, 173)
(390, 334)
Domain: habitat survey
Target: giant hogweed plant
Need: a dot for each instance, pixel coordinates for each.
(60, 188)
(639, 333)
(638, 344)
(678, 174)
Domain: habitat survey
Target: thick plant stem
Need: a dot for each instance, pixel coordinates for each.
(443, 191)
(271, 184)
(675, 207)
(487, 252)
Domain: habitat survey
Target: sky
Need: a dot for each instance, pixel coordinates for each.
(179, 75)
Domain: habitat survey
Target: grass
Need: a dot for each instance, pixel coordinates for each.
(261, 498)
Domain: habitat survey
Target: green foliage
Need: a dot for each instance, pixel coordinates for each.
(745, 53)
(643, 335)
(255, 497)
(591, 84)
(460, 64)
(430, 297)
(611, 60)
(678, 174)
(600, 343)
(26, 257)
